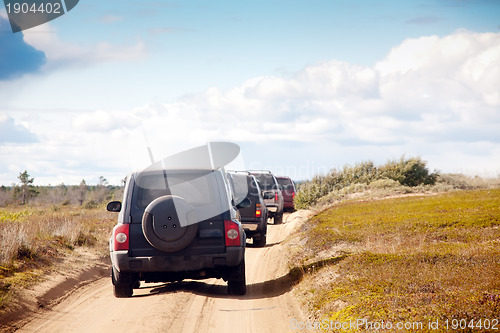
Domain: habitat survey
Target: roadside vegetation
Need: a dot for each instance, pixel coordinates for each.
(39, 225)
(425, 253)
(396, 177)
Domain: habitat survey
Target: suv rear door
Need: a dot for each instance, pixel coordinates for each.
(204, 197)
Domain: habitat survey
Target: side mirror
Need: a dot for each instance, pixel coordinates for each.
(244, 204)
(114, 206)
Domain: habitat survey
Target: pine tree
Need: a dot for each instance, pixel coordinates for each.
(82, 191)
(26, 185)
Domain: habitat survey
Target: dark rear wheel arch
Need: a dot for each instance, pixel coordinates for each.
(261, 239)
(278, 218)
(236, 284)
(122, 283)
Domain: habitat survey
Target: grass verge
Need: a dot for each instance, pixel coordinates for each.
(419, 259)
(32, 239)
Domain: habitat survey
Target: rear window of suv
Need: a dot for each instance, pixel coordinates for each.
(266, 181)
(244, 185)
(197, 191)
(284, 181)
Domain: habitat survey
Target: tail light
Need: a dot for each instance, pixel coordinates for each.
(258, 211)
(293, 195)
(232, 232)
(276, 197)
(121, 237)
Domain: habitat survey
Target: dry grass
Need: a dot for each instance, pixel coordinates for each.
(412, 259)
(32, 238)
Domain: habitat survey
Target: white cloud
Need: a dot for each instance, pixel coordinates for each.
(430, 88)
(13, 132)
(108, 19)
(436, 97)
(457, 68)
(105, 121)
(60, 53)
(426, 90)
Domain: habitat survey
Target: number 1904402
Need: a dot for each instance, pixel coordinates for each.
(26, 8)
(478, 324)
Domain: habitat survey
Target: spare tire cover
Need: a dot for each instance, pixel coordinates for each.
(169, 223)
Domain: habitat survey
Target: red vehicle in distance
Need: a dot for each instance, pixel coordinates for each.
(288, 190)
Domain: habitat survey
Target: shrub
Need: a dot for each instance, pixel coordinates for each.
(384, 183)
(25, 252)
(408, 172)
(310, 192)
(91, 204)
(462, 182)
(86, 239)
(360, 173)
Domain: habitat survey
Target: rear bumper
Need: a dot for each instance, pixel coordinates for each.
(123, 263)
(251, 227)
(252, 224)
(272, 209)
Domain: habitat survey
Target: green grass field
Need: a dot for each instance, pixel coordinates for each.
(415, 259)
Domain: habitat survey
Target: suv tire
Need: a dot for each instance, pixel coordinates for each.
(260, 241)
(236, 283)
(122, 284)
(278, 218)
(162, 225)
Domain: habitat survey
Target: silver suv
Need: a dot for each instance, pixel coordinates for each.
(253, 217)
(175, 225)
(271, 192)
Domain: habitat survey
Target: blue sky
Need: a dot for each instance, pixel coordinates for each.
(301, 86)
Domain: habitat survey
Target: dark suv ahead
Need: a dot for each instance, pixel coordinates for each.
(175, 225)
(254, 217)
(288, 190)
(271, 191)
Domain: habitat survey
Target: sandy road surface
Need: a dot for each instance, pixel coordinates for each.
(188, 306)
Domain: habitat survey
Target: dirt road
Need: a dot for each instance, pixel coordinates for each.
(188, 306)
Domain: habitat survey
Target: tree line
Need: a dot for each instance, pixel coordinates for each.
(25, 192)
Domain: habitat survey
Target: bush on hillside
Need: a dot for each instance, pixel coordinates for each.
(409, 172)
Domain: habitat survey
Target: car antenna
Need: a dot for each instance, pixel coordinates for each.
(148, 147)
(150, 152)
(210, 155)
